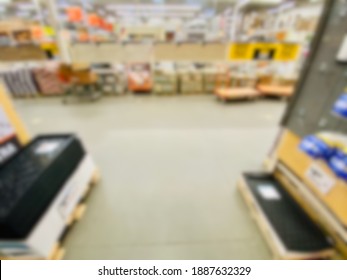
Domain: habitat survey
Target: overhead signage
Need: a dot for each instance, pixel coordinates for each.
(264, 51)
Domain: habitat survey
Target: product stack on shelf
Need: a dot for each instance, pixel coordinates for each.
(243, 76)
(190, 78)
(216, 75)
(121, 78)
(295, 22)
(277, 79)
(299, 203)
(210, 73)
(21, 40)
(19, 81)
(32, 79)
(165, 79)
(139, 78)
(111, 78)
(227, 81)
(242, 84)
(47, 79)
(107, 79)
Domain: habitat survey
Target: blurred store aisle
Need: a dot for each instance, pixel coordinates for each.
(169, 167)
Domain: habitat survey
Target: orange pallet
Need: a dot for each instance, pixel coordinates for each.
(226, 94)
(273, 90)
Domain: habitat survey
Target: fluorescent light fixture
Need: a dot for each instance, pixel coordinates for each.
(153, 12)
(148, 14)
(151, 7)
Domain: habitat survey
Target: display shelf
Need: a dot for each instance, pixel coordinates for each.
(288, 230)
(325, 205)
(330, 190)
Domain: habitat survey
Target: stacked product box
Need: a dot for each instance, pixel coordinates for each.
(279, 74)
(165, 78)
(277, 79)
(140, 77)
(242, 80)
(112, 78)
(210, 75)
(242, 83)
(121, 78)
(106, 77)
(265, 72)
(243, 76)
(190, 78)
(216, 75)
(286, 74)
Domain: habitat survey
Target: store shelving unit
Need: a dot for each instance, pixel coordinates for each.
(310, 183)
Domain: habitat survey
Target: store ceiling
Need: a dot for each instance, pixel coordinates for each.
(146, 8)
(217, 5)
(155, 8)
(183, 2)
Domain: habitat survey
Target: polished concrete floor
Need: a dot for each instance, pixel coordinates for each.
(169, 167)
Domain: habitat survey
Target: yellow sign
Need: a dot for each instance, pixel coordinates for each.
(50, 47)
(263, 51)
(287, 52)
(240, 51)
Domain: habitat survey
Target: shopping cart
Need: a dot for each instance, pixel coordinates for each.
(79, 82)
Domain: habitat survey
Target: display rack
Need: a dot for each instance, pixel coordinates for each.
(288, 230)
(310, 183)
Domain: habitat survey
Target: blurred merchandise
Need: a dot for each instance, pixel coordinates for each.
(316, 147)
(330, 147)
(32, 79)
(139, 77)
(47, 79)
(340, 106)
(190, 78)
(338, 163)
(216, 75)
(165, 78)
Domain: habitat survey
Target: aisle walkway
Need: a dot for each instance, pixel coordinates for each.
(169, 167)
